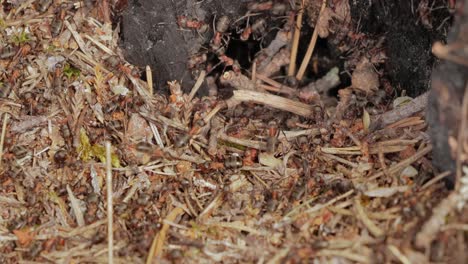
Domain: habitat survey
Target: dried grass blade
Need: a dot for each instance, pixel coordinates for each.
(100, 45)
(273, 101)
(149, 78)
(75, 207)
(397, 253)
(243, 142)
(344, 254)
(197, 85)
(310, 48)
(2, 137)
(295, 43)
(158, 242)
(402, 164)
(361, 215)
(78, 38)
(110, 209)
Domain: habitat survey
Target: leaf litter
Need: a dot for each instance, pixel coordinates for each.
(272, 174)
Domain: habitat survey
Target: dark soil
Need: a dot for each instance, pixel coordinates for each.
(409, 37)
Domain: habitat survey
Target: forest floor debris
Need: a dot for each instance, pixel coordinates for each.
(274, 173)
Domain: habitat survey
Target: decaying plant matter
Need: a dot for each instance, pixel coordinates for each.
(94, 167)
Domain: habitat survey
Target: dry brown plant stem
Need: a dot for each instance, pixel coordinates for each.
(197, 85)
(435, 179)
(295, 43)
(402, 164)
(149, 78)
(2, 138)
(361, 215)
(311, 47)
(416, 105)
(110, 210)
(270, 100)
(243, 142)
(254, 71)
(281, 88)
(158, 242)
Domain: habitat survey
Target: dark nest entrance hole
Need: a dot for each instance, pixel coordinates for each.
(244, 52)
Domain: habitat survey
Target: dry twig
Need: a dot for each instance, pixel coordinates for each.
(158, 242)
(149, 79)
(270, 100)
(407, 110)
(310, 48)
(110, 208)
(295, 43)
(2, 136)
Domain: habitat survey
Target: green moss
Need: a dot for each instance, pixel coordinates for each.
(21, 38)
(70, 71)
(88, 151)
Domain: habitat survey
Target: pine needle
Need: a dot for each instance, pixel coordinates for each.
(158, 242)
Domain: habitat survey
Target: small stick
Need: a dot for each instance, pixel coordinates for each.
(158, 242)
(156, 135)
(416, 105)
(213, 112)
(320, 206)
(461, 138)
(110, 209)
(404, 163)
(343, 254)
(149, 79)
(254, 71)
(215, 203)
(2, 138)
(311, 47)
(435, 179)
(197, 85)
(78, 38)
(243, 142)
(341, 160)
(397, 253)
(270, 100)
(216, 127)
(100, 45)
(361, 215)
(279, 255)
(273, 89)
(295, 43)
(281, 87)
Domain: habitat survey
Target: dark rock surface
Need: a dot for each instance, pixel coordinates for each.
(150, 35)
